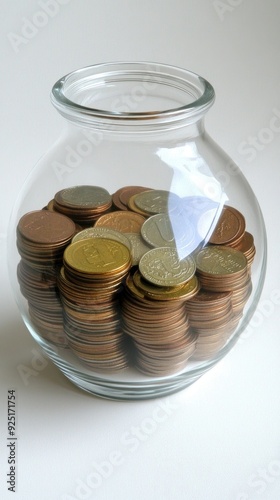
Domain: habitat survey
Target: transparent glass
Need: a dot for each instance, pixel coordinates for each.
(129, 125)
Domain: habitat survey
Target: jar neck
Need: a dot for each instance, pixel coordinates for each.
(98, 132)
(134, 98)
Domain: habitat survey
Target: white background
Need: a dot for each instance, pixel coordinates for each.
(219, 439)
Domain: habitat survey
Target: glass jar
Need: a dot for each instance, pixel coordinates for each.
(137, 249)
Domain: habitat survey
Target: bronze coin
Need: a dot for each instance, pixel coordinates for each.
(124, 222)
(230, 227)
(204, 298)
(126, 192)
(117, 202)
(46, 227)
(247, 246)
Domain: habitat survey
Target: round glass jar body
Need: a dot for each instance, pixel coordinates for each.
(137, 249)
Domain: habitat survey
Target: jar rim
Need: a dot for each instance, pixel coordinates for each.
(69, 92)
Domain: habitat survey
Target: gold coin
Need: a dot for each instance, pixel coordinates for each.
(102, 232)
(163, 267)
(97, 256)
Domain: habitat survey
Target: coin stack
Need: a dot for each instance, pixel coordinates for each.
(230, 230)
(247, 247)
(221, 268)
(128, 225)
(154, 315)
(90, 283)
(212, 319)
(123, 196)
(224, 278)
(141, 267)
(216, 321)
(83, 204)
(230, 233)
(42, 237)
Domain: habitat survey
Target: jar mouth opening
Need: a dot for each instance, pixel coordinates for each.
(132, 91)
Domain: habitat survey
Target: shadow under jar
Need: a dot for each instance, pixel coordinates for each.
(137, 249)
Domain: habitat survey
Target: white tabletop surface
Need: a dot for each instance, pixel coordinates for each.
(220, 438)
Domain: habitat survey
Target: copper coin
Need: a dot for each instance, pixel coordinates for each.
(206, 298)
(126, 192)
(124, 222)
(117, 202)
(46, 227)
(247, 246)
(230, 227)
